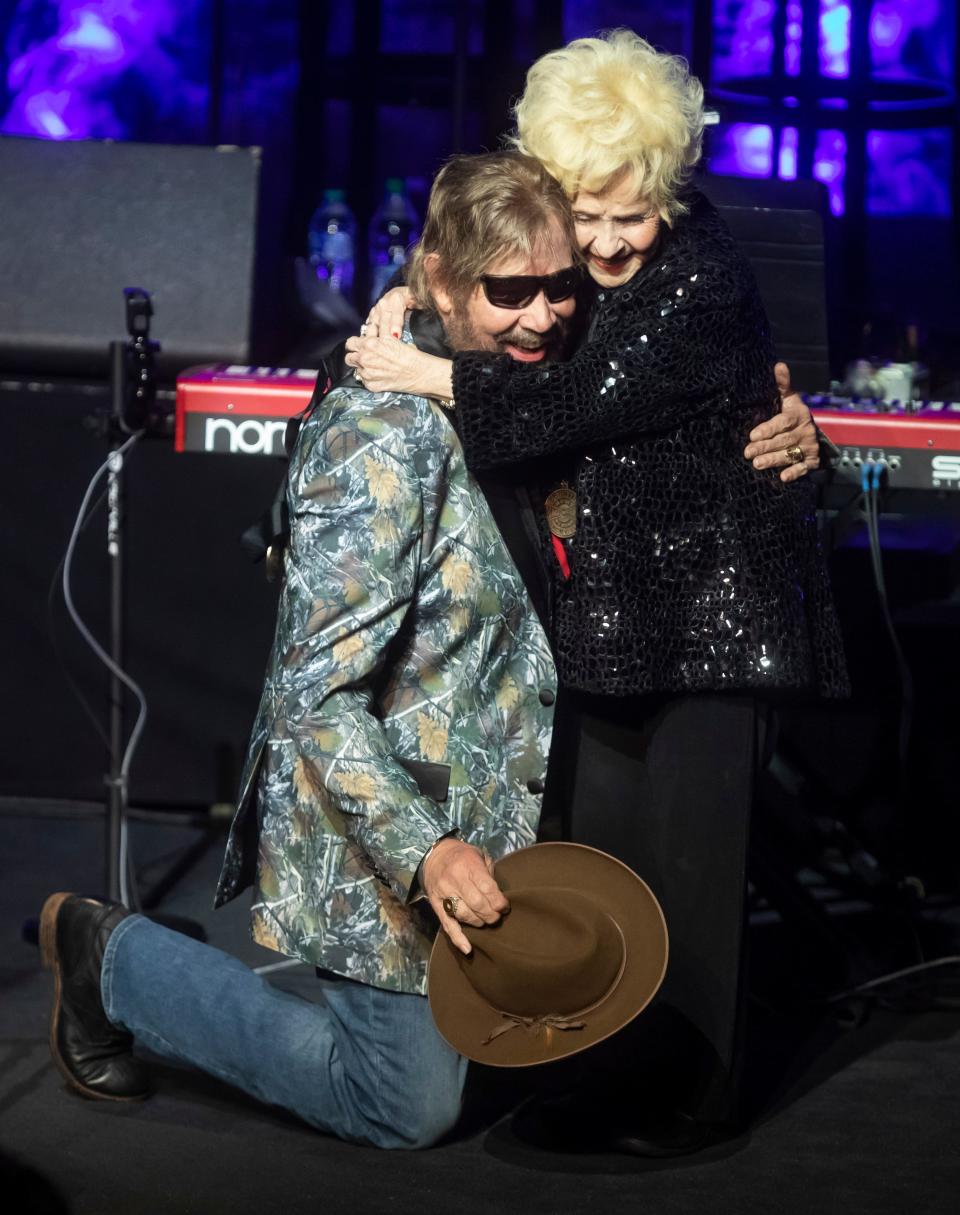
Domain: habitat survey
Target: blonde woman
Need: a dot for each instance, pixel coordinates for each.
(688, 588)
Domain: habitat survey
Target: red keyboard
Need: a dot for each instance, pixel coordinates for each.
(243, 411)
(918, 444)
(239, 410)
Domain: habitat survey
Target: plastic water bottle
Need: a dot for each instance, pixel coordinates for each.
(330, 242)
(393, 229)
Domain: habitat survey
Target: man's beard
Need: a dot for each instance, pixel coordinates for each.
(462, 335)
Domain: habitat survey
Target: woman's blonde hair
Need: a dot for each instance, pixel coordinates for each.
(603, 108)
(481, 209)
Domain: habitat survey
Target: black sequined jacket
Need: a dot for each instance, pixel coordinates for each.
(690, 570)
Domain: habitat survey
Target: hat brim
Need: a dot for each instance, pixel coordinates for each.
(465, 1019)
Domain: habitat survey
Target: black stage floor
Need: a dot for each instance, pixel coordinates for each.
(861, 1121)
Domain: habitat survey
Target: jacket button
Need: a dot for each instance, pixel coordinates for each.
(535, 786)
(546, 696)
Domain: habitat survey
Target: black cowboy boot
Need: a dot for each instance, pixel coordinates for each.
(95, 1057)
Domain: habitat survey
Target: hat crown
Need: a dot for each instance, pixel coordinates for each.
(556, 952)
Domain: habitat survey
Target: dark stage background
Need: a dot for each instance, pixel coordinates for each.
(858, 96)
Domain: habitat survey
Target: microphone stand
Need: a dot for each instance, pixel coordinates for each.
(133, 411)
(133, 391)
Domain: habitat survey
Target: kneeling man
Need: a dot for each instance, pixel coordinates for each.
(400, 746)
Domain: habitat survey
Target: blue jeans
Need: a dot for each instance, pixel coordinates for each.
(364, 1064)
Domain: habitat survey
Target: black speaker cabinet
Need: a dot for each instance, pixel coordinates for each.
(81, 220)
(779, 226)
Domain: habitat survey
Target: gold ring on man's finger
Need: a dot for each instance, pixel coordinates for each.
(450, 905)
(795, 454)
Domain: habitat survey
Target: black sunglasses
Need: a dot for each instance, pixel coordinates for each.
(519, 290)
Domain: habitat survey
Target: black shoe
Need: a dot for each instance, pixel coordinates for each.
(572, 1124)
(95, 1057)
(672, 1134)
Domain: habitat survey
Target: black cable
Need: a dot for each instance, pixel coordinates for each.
(72, 684)
(907, 972)
(872, 513)
(113, 461)
(870, 482)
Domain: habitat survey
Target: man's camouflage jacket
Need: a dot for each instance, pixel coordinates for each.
(408, 693)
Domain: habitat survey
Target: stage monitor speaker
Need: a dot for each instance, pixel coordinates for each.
(84, 219)
(779, 226)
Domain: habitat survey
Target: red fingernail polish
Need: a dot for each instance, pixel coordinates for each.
(393, 333)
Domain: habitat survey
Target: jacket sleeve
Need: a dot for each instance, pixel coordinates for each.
(656, 364)
(352, 568)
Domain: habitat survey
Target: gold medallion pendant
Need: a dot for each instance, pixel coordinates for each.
(561, 508)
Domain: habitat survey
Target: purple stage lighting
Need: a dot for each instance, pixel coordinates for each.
(834, 38)
(83, 69)
(913, 41)
(793, 38)
(743, 38)
(787, 164)
(743, 149)
(908, 172)
(829, 166)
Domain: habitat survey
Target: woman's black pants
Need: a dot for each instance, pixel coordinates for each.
(665, 783)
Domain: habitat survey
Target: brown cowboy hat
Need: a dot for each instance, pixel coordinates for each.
(582, 950)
